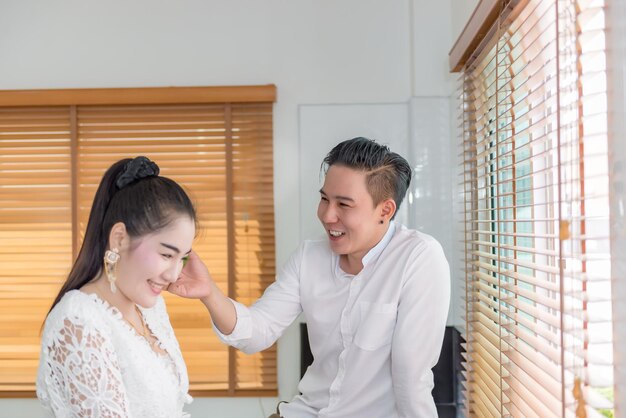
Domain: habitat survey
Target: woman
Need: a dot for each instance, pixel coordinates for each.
(108, 348)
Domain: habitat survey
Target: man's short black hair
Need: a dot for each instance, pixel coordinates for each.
(388, 175)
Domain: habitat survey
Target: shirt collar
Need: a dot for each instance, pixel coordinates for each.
(382, 244)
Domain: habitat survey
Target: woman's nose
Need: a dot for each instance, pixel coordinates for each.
(172, 273)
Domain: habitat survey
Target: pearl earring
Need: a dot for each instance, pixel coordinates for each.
(111, 257)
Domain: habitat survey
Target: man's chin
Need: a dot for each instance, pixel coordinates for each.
(338, 249)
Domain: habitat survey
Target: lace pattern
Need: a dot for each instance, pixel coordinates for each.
(93, 364)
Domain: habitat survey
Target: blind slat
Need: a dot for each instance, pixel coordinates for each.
(534, 177)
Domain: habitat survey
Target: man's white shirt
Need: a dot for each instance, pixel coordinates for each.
(374, 336)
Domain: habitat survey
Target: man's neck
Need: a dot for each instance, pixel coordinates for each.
(350, 264)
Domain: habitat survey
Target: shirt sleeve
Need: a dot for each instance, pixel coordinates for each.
(260, 325)
(83, 377)
(419, 332)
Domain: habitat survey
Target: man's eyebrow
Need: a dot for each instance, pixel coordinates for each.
(338, 197)
(173, 248)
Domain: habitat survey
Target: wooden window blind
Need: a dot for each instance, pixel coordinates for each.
(216, 142)
(535, 180)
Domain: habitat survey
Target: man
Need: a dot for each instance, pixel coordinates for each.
(375, 295)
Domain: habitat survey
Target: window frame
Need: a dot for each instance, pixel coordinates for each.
(230, 97)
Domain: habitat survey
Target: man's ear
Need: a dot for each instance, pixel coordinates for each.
(118, 237)
(387, 209)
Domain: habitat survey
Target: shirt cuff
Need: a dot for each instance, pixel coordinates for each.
(243, 326)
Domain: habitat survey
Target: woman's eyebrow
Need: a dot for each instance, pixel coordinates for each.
(173, 248)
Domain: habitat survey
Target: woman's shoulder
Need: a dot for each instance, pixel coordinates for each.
(76, 301)
(76, 308)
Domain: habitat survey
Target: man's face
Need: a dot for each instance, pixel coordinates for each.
(348, 214)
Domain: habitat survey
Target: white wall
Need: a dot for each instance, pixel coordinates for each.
(333, 62)
(461, 12)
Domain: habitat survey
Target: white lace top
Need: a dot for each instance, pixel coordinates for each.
(93, 364)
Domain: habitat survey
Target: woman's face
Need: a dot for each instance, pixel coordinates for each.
(154, 261)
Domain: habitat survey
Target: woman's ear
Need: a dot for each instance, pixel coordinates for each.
(118, 237)
(387, 209)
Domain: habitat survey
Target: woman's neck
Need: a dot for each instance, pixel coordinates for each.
(102, 289)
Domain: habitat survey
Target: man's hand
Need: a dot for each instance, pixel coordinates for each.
(195, 281)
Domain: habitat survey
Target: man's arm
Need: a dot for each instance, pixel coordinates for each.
(250, 329)
(195, 282)
(221, 309)
(422, 315)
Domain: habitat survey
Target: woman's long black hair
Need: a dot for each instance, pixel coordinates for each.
(130, 192)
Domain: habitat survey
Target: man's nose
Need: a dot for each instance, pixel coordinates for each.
(329, 214)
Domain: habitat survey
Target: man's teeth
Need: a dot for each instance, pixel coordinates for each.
(336, 233)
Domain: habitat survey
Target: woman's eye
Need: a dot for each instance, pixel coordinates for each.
(168, 256)
(324, 199)
(185, 260)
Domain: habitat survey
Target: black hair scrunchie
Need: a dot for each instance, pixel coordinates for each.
(136, 169)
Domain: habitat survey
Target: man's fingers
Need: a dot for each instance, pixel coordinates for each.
(177, 289)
